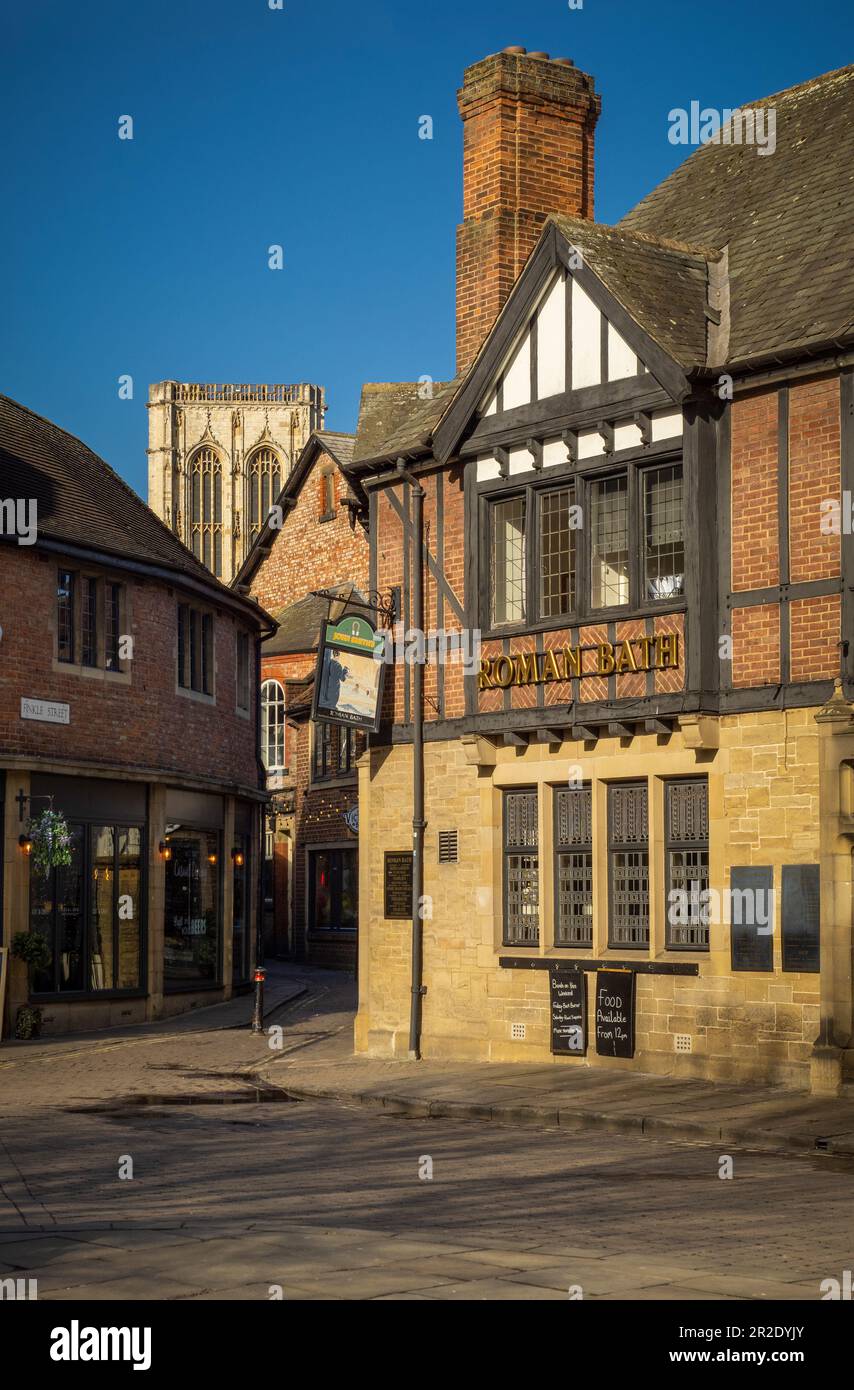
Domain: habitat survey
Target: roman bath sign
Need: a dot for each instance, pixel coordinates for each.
(45, 711)
(658, 653)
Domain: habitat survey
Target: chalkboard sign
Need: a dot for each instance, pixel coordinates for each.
(752, 918)
(615, 1013)
(568, 989)
(398, 884)
(800, 918)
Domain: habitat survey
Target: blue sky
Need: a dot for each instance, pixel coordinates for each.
(299, 127)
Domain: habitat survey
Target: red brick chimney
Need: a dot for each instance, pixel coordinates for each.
(528, 124)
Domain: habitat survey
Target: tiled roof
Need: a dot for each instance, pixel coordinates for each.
(787, 218)
(395, 417)
(662, 284)
(81, 500)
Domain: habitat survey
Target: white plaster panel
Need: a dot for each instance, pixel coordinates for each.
(517, 377)
(622, 361)
(586, 339)
(487, 468)
(551, 341)
(627, 437)
(590, 443)
(667, 424)
(520, 461)
(554, 452)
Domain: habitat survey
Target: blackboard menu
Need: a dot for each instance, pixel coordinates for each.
(568, 990)
(398, 884)
(752, 918)
(615, 1013)
(800, 918)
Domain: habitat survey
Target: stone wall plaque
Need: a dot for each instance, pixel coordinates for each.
(398, 884)
(752, 918)
(800, 918)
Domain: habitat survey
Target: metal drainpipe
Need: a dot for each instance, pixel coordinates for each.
(418, 822)
(258, 1006)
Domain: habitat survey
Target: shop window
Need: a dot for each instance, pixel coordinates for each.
(663, 539)
(573, 820)
(193, 908)
(195, 649)
(334, 889)
(521, 869)
(242, 664)
(91, 913)
(89, 620)
(273, 726)
(687, 849)
(628, 865)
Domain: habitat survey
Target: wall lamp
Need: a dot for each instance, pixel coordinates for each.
(165, 851)
(26, 844)
(238, 857)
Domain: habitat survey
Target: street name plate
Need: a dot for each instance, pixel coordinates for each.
(752, 918)
(800, 918)
(398, 884)
(615, 1013)
(568, 994)
(45, 711)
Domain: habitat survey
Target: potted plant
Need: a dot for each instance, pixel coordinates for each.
(28, 1022)
(32, 948)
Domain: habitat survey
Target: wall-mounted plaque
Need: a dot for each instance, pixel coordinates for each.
(800, 918)
(398, 883)
(568, 992)
(752, 918)
(615, 1013)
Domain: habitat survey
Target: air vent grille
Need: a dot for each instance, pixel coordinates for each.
(448, 847)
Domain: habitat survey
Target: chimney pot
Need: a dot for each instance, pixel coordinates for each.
(564, 62)
(514, 48)
(538, 55)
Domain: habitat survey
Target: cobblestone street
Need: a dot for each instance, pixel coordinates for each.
(324, 1199)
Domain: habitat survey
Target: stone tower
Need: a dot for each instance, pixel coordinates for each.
(217, 457)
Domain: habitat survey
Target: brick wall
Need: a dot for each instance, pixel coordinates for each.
(309, 553)
(814, 475)
(136, 722)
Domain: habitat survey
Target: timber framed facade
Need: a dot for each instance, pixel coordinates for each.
(626, 499)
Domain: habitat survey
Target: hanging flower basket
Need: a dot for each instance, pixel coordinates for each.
(51, 840)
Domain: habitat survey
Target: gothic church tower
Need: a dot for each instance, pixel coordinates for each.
(217, 457)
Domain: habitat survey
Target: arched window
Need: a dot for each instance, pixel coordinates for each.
(273, 726)
(264, 474)
(205, 508)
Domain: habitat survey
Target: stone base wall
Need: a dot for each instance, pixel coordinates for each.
(763, 810)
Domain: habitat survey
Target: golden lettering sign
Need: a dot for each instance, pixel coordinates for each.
(659, 653)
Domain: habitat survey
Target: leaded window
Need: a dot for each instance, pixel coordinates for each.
(65, 615)
(89, 621)
(663, 537)
(507, 546)
(521, 869)
(557, 552)
(112, 625)
(264, 473)
(686, 813)
(206, 508)
(195, 649)
(628, 862)
(609, 558)
(573, 830)
(273, 726)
